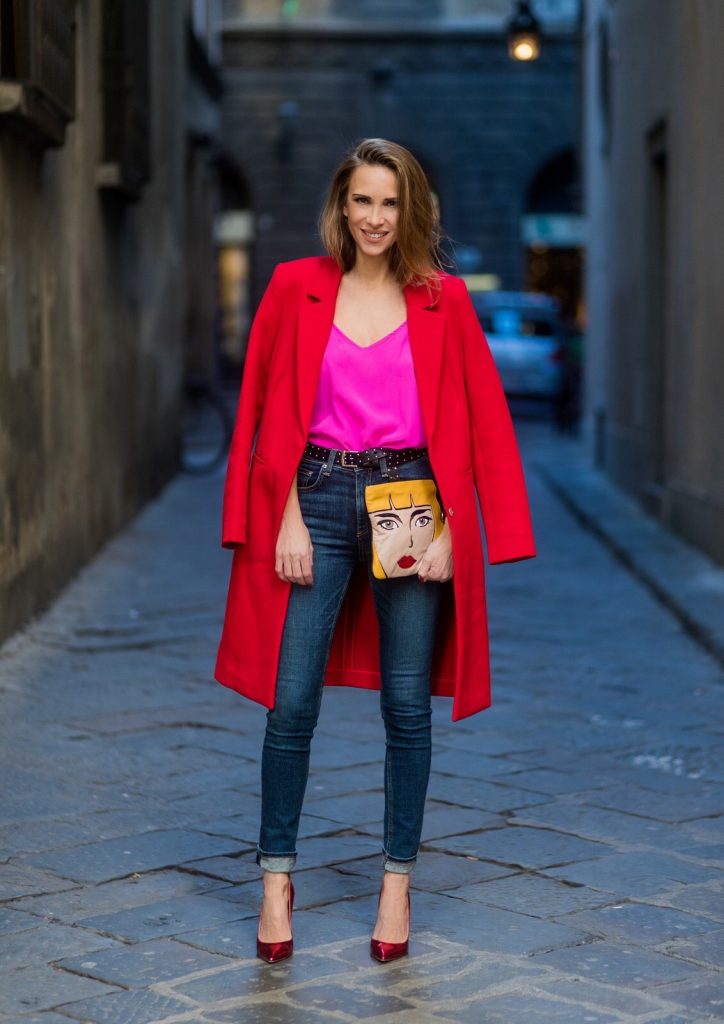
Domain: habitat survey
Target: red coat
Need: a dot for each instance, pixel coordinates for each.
(472, 447)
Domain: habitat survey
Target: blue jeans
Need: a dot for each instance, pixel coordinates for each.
(331, 498)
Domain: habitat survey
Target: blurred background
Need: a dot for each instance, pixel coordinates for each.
(158, 159)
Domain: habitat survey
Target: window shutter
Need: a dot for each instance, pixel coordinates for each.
(37, 67)
(125, 142)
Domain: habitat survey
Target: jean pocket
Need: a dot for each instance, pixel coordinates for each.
(309, 475)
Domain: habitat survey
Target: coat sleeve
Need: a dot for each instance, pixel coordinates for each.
(248, 414)
(497, 465)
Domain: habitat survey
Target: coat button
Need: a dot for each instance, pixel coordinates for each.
(450, 512)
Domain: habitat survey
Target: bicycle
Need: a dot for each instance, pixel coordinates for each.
(206, 428)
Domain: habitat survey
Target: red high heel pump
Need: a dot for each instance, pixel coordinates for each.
(384, 951)
(272, 952)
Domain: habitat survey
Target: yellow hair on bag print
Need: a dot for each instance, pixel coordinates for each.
(405, 517)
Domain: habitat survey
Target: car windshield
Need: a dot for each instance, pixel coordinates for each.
(516, 323)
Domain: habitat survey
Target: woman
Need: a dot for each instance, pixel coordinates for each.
(365, 366)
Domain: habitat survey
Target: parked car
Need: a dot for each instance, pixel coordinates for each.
(526, 337)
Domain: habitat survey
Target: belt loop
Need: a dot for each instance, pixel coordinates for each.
(327, 469)
(383, 466)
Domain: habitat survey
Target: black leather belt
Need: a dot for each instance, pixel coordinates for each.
(386, 458)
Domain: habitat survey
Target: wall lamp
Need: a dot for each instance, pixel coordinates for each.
(523, 32)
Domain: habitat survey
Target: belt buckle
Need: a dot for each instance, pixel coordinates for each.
(343, 460)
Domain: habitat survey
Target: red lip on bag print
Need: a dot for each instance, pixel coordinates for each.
(406, 561)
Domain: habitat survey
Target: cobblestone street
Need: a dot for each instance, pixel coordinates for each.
(572, 868)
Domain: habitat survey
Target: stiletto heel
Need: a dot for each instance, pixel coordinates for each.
(272, 952)
(384, 951)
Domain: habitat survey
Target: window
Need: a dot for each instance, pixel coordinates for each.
(125, 136)
(513, 323)
(604, 85)
(37, 67)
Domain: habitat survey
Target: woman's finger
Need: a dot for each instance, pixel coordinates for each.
(294, 568)
(297, 569)
(288, 568)
(307, 570)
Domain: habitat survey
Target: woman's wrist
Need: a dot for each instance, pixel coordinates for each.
(292, 509)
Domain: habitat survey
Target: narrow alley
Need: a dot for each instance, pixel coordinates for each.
(573, 852)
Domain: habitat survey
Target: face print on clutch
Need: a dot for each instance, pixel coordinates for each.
(405, 517)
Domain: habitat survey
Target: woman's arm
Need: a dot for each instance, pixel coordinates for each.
(294, 545)
(497, 466)
(248, 415)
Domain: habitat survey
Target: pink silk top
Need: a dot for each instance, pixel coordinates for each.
(367, 397)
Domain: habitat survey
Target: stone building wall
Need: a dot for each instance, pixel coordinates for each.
(91, 328)
(298, 94)
(654, 163)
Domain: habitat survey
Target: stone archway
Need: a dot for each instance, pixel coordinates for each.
(553, 233)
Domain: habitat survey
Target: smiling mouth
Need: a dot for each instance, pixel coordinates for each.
(374, 236)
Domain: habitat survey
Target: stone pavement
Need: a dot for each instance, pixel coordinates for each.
(573, 861)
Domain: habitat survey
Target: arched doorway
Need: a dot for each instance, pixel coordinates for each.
(553, 234)
(234, 236)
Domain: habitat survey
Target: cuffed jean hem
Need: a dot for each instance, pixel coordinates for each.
(276, 861)
(400, 867)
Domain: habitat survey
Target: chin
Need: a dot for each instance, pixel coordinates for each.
(363, 243)
(369, 250)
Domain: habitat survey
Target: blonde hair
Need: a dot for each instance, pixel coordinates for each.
(415, 255)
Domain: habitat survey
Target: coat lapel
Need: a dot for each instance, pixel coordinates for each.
(426, 328)
(316, 315)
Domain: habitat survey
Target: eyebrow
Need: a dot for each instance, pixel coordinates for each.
(363, 196)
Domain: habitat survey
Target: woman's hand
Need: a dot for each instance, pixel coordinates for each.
(436, 565)
(294, 545)
(294, 552)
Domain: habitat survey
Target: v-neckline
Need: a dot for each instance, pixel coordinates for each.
(365, 347)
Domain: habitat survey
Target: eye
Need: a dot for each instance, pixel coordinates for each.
(423, 521)
(391, 202)
(360, 199)
(388, 524)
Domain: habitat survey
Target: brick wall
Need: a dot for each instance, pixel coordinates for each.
(481, 124)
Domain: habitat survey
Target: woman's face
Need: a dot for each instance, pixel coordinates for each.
(372, 208)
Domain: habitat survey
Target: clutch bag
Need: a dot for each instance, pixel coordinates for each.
(405, 517)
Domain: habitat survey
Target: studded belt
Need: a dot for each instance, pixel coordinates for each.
(386, 458)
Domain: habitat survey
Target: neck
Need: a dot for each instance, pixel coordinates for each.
(371, 271)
